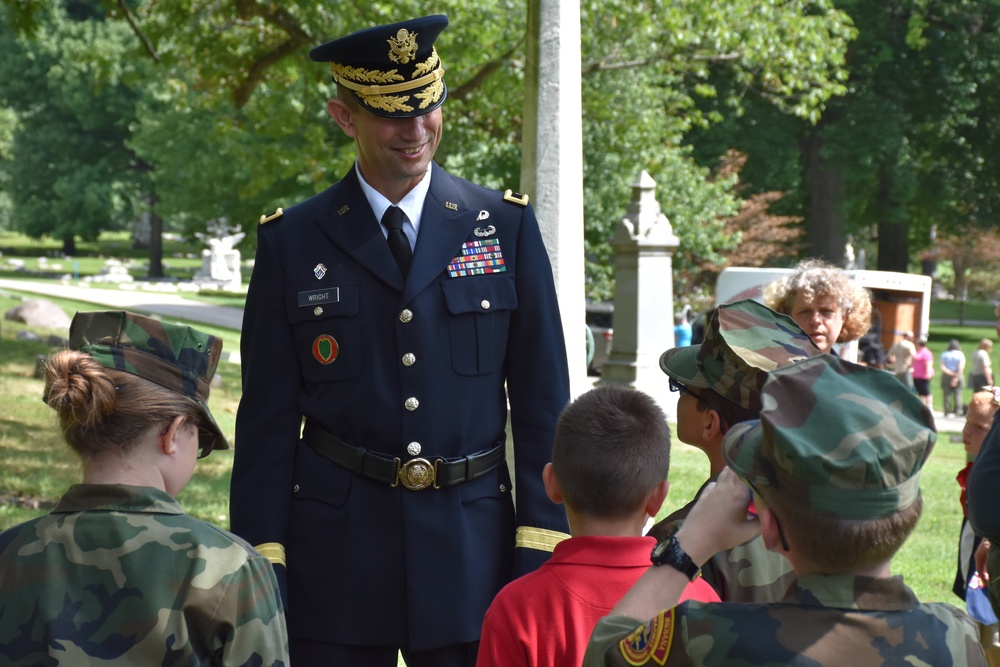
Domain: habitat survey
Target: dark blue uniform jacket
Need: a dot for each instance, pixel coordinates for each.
(328, 321)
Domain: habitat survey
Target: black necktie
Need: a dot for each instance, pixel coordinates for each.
(398, 243)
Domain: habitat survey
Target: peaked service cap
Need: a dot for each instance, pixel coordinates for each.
(174, 356)
(744, 340)
(393, 70)
(837, 438)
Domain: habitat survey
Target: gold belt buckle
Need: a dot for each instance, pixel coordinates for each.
(416, 474)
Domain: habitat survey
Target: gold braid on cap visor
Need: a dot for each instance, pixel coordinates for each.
(378, 93)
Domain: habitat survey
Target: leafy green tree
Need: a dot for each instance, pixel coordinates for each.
(69, 173)
(234, 118)
(911, 145)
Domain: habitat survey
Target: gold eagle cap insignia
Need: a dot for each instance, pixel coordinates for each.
(403, 47)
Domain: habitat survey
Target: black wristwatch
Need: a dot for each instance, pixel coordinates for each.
(669, 552)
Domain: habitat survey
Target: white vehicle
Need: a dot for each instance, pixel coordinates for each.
(903, 300)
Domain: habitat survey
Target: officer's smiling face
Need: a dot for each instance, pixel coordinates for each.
(393, 153)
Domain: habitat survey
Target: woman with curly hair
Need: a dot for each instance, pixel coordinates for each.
(824, 301)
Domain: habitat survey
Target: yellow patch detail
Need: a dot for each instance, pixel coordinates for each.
(650, 641)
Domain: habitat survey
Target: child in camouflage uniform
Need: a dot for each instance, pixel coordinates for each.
(720, 383)
(118, 573)
(834, 465)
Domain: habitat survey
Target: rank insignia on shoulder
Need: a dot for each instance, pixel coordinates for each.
(515, 197)
(264, 219)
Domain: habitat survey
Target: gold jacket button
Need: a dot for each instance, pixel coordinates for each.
(485, 304)
(317, 311)
(409, 359)
(406, 315)
(411, 404)
(413, 448)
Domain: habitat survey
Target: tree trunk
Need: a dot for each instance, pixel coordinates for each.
(825, 217)
(69, 246)
(893, 230)
(155, 245)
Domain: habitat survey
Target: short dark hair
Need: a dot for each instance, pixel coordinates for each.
(612, 447)
(729, 413)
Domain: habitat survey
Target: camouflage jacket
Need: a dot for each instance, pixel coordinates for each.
(824, 620)
(747, 573)
(121, 575)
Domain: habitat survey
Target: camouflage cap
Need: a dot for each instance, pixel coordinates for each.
(174, 356)
(743, 342)
(838, 438)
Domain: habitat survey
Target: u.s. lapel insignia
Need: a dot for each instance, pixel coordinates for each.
(451, 206)
(483, 215)
(483, 232)
(343, 209)
(319, 271)
(325, 349)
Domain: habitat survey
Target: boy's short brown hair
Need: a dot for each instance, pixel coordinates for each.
(612, 447)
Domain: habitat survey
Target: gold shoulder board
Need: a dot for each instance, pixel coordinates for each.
(515, 197)
(264, 219)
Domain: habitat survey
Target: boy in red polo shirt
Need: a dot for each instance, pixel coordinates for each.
(609, 468)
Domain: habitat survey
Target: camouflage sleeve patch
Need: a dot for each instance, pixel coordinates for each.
(650, 642)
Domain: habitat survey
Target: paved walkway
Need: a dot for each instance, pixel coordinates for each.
(157, 303)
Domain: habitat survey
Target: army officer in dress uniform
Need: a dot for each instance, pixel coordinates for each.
(395, 312)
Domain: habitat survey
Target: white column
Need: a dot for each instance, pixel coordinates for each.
(552, 161)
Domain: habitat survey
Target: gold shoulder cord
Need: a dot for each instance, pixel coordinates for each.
(538, 538)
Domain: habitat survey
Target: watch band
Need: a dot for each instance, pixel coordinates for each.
(669, 552)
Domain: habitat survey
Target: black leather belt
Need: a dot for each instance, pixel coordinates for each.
(415, 474)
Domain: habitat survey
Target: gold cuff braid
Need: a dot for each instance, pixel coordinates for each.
(538, 538)
(272, 551)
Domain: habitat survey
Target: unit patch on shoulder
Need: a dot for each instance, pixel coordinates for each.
(650, 641)
(515, 197)
(264, 219)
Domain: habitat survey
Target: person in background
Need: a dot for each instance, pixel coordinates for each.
(719, 385)
(984, 504)
(901, 357)
(923, 371)
(609, 468)
(682, 329)
(398, 313)
(952, 371)
(823, 420)
(117, 573)
(824, 301)
(969, 584)
(981, 371)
